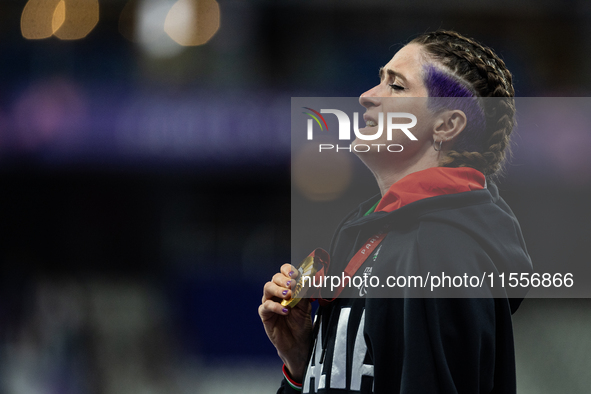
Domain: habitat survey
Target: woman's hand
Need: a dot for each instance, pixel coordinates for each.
(289, 329)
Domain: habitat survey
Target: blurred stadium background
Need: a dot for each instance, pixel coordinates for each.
(145, 172)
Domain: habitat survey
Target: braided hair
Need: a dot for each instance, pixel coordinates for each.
(482, 72)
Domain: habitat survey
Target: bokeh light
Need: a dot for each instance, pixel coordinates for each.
(81, 16)
(37, 19)
(59, 16)
(193, 22)
(321, 176)
(151, 16)
(66, 19)
(52, 111)
(163, 27)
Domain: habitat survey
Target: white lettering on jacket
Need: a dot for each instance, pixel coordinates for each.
(338, 369)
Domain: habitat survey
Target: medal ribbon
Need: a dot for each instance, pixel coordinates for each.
(355, 263)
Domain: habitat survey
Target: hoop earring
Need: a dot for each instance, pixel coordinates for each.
(434, 146)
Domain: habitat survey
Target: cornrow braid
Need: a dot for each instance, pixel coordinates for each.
(485, 74)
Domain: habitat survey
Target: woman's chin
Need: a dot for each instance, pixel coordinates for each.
(364, 146)
(368, 130)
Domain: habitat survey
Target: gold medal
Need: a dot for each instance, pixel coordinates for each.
(315, 261)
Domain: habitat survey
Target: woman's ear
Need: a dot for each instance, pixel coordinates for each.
(449, 124)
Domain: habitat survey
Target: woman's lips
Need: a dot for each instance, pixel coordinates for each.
(369, 121)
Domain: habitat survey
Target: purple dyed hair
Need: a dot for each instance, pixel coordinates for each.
(447, 92)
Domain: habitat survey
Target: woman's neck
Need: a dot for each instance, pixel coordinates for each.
(389, 176)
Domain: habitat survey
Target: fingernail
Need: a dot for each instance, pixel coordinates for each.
(284, 310)
(288, 283)
(284, 292)
(290, 273)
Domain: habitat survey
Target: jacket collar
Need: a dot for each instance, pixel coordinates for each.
(434, 181)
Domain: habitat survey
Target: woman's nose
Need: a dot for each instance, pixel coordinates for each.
(370, 98)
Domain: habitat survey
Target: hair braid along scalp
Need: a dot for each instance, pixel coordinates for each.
(485, 74)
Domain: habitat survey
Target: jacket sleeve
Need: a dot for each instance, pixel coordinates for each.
(285, 388)
(445, 346)
(466, 342)
(457, 345)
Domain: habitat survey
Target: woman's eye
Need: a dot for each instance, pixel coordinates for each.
(396, 87)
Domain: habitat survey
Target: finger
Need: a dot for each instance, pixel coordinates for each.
(270, 308)
(284, 281)
(289, 271)
(273, 291)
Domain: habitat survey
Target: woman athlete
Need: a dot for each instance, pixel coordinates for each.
(438, 208)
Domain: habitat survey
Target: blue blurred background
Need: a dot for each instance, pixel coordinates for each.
(145, 185)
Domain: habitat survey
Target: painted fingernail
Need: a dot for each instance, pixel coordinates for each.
(288, 283)
(284, 292)
(290, 273)
(284, 310)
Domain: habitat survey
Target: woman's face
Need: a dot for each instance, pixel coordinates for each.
(401, 89)
(401, 77)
